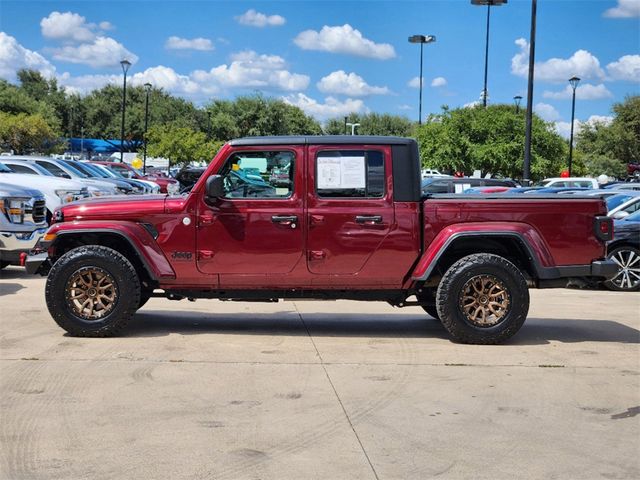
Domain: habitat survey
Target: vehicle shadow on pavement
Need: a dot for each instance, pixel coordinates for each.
(152, 324)
(539, 331)
(9, 288)
(536, 331)
(10, 273)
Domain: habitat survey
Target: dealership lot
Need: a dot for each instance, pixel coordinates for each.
(331, 390)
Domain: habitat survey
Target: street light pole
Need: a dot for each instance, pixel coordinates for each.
(125, 68)
(488, 3)
(526, 170)
(421, 39)
(147, 88)
(573, 81)
(517, 99)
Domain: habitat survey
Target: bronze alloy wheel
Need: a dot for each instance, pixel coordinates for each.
(484, 301)
(91, 293)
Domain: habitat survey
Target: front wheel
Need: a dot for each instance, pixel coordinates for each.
(627, 279)
(482, 299)
(92, 291)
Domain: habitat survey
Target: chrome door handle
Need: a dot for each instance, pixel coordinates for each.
(287, 220)
(369, 219)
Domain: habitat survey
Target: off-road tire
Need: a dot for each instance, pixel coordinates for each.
(432, 311)
(449, 299)
(620, 255)
(125, 279)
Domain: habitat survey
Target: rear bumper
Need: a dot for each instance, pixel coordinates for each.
(599, 268)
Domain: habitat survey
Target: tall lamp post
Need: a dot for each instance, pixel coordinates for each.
(573, 81)
(526, 167)
(489, 4)
(517, 99)
(147, 89)
(421, 39)
(125, 68)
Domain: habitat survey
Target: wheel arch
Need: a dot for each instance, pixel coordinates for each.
(511, 245)
(117, 240)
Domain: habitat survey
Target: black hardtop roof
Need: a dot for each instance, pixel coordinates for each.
(322, 140)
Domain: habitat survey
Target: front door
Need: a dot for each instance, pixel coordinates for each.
(350, 215)
(257, 229)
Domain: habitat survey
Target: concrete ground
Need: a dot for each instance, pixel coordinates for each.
(319, 390)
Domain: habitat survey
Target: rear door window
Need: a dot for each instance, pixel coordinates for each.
(350, 174)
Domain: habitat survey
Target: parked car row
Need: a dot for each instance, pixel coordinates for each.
(31, 188)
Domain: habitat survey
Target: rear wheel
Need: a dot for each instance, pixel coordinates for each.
(627, 279)
(482, 299)
(92, 291)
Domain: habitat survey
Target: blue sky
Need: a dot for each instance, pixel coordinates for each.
(331, 58)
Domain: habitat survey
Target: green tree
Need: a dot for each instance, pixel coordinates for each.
(181, 145)
(490, 140)
(607, 148)
(372, 124)
(256, 115)
(24, 133)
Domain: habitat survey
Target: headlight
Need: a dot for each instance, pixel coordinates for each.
(67, 196)
(96, 192)
(13, 209)
(173, 188)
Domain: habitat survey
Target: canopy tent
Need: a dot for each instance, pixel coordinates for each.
(97, 145)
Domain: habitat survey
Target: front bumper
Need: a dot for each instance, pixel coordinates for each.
(12, 244)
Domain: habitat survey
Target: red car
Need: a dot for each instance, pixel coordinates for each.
(351, 224)
(128, 171)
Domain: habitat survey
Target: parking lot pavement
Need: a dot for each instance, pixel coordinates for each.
(326, 390)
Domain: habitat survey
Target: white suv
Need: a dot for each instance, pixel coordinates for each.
(571, 182)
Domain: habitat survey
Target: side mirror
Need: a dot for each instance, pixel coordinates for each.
(215, 187)
(620, 215)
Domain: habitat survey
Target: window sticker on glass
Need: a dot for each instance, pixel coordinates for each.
(341, 172)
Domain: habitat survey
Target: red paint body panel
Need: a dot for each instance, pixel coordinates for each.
(139, 237)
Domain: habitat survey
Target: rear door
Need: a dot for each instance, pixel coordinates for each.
(350, 212)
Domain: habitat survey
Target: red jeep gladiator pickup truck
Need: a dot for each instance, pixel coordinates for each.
(347, 222)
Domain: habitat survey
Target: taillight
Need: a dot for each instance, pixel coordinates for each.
(603, 228)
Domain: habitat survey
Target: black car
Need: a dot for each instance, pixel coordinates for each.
(624, 249)
(188, 177)
(458, 185)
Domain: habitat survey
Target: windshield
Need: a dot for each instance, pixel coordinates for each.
(105, 171)
(123, 171)
(80, 167)
(634, 217)
(616, 201)
(70, 166)
(5, 169)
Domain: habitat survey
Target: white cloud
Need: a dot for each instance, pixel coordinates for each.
(564, 128)
(252, 18)
(329, 109)
(344, 39)
(415, 82)
(624, 9)
(71, 27)
(625, 68)
(582, 64)
(405, 107)
(473, 104)
(177, 43)
(546, 112)
(340, 82)
(14, 56)
(250, 70)
(585, 91)
(439, 82)
(103, 52)
(66, 26)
